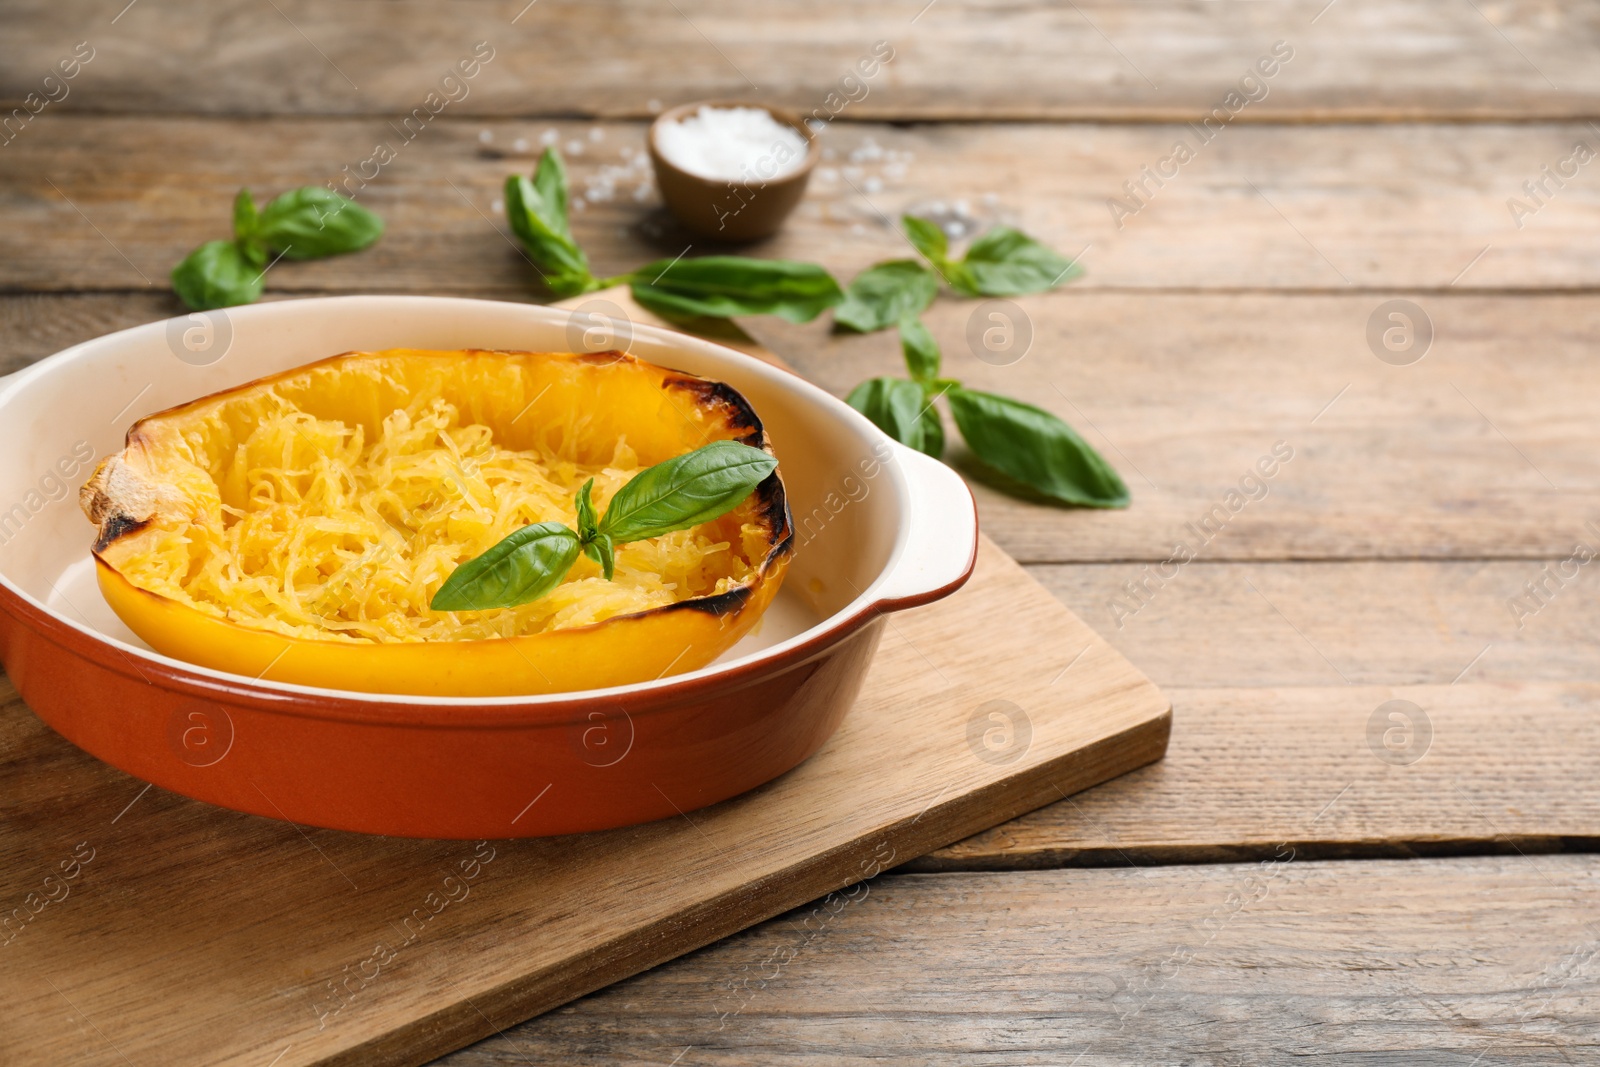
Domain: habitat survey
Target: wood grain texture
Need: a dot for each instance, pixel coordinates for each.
(1357, 622)
(1435, 964)
(1497, 768)
(114, 203)
(1484, 448)
(1359, 59)
(1292, 661)
(265, 933)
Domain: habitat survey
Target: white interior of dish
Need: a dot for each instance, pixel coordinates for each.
(850, 511)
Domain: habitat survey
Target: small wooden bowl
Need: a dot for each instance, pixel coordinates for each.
(724, 210)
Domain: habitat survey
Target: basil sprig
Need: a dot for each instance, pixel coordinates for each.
(1003, 262)
(681, 290)
(684, 491)
(306, 223)
(724, 286)
(537, 211)
(1034, 447)
(884, 294)
(1025, 450)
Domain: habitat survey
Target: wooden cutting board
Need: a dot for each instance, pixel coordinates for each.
(139, 927)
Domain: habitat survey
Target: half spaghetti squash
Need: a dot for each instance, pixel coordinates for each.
(295, 528)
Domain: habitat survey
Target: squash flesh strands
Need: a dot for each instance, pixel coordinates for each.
(329, 504)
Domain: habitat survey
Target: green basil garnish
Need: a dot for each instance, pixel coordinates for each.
(314, 221)
(537, 211)
(1029, 450)
(684, 491)
(523, 567)
(1003, 262)
(596, 545)
(216, 275)
(678, 289)
(246, 230)
(1037, 449)
(903, 411)
(920, 350)
(926, 237)
(884, 294)
(724, 286)
(1007, 262)
(305, 223)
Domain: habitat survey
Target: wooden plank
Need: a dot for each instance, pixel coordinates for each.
(1498, 768)
(1430, 963)
(1186, 392)
(266, 931)
(1252, 767)
(1359, 622)
(1259, 207)
(1356, 60)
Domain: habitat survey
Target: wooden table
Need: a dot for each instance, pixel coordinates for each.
(1304, 875)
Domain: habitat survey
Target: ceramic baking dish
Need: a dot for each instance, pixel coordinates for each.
(878, 528)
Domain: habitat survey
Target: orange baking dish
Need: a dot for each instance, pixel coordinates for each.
(875, 528)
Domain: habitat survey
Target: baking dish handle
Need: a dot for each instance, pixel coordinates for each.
(942, 546)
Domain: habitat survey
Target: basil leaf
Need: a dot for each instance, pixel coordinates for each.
(524, 566)
(596, 545)
(245, 217)
(604, 552)
(921, 351)
(216, 275)
(1037, 449)
(313, 221)
(884, 294)
(723, 286)
(900, 409)
(550, 179)
(1007, 262)
(686, 490)
(588, 526)
(541, 226)
(927, 237)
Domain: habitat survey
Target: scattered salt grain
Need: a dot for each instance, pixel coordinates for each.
(574, 148)
(732, 144)
(597, 135)
(873, 185)
(485, 136)
(519, 145)
(549, 137)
